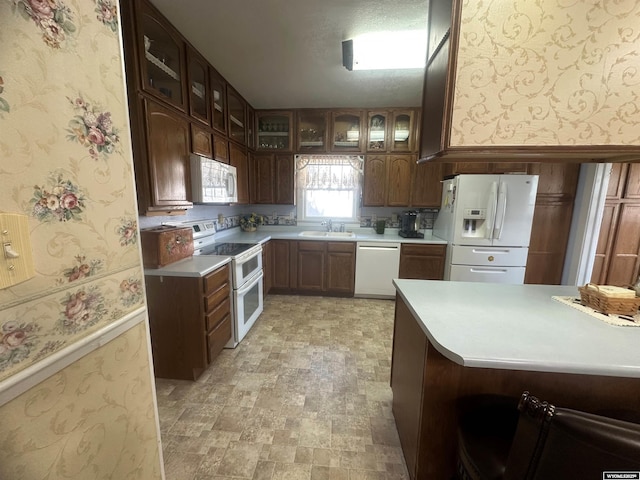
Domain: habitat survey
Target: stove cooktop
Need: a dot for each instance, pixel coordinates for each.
(230, 249)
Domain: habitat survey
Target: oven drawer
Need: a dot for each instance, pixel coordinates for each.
(218, 314)
(216, 279)
(213, 300)
(218, 338)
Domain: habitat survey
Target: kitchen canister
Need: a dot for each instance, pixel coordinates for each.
(380, 224)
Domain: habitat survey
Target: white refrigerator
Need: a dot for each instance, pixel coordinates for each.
(487, 221)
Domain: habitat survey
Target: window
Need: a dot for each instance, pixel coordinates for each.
(328, 186)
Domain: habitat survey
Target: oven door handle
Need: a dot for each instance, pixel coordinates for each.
(249, 284)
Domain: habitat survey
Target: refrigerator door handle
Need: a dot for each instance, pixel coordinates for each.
(491, 211)
(501, 210)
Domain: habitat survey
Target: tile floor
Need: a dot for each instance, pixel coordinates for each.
(305, 396)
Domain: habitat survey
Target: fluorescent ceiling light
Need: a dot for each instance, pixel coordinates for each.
(390, 50)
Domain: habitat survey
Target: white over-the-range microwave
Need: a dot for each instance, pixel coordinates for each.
(213, 181)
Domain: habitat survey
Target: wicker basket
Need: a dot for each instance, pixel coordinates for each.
(594, 298)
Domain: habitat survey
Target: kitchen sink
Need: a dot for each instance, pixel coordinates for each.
(317, 234)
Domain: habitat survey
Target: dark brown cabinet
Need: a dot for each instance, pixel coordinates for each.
(326, 267)
(198, 81)
(236, 112)
(347, 131)
(340, 268)
(188, 331)
(485, 167)
(388, 181)
(218, 97)
(161, 51)
(239, 159)
(178, 104)
(284, 265)
(311, 128)
(410, 346)
(426, 189)
(313, 267)
(275, 130)
(557, 185)
(465, 99)
(267, 266)
(220, 148)
(201, 141)
(272, 177)
(423, 262)
(163, 182)
(374, 190)
(617, 260)
(399, 169)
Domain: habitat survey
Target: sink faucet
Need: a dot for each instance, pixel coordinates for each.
(328, 224)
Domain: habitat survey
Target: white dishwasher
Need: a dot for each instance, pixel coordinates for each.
(377, 264)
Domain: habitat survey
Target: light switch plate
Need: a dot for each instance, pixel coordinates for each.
(16, 257)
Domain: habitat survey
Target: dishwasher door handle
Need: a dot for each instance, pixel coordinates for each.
(378, 248)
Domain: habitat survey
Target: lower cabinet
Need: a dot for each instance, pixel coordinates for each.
(407, 383)
(423, 262)
(282, 259)
(267, 266)
(313, 267)
(340, 268)
(189, 329)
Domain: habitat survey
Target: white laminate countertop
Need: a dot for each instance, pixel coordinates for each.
(519, 327)
(362, 234)
(199, 266)
(194, 266)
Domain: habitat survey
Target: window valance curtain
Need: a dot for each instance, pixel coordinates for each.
(329, 172)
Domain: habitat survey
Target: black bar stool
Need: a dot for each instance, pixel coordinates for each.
(543, 443)
(487, 424)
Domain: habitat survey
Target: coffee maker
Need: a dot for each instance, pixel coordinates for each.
(410, 224)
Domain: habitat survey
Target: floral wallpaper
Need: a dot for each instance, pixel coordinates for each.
(547, 72)
(93, 419)
(65, 162)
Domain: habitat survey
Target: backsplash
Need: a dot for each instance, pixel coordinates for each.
(394, 220)
(280, 215)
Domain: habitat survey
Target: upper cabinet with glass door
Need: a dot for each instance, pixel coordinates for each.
(162, 58)
(312, 131)
(377, 126)
(237, 116)
(198, 86)
(251, 127)
(402, 131)
(346, 131)
(218, 96)
(275, 130)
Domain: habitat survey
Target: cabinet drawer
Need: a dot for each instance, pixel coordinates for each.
(416, 249)
(218, 314)
(216, 279)
(346, 247)
(312, 246)
(213, 300)
(218, 338)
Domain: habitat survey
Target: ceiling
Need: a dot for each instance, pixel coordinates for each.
(288, 53)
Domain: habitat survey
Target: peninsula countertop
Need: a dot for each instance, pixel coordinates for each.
(519, 327)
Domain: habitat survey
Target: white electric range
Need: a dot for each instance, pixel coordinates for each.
(246, 274)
